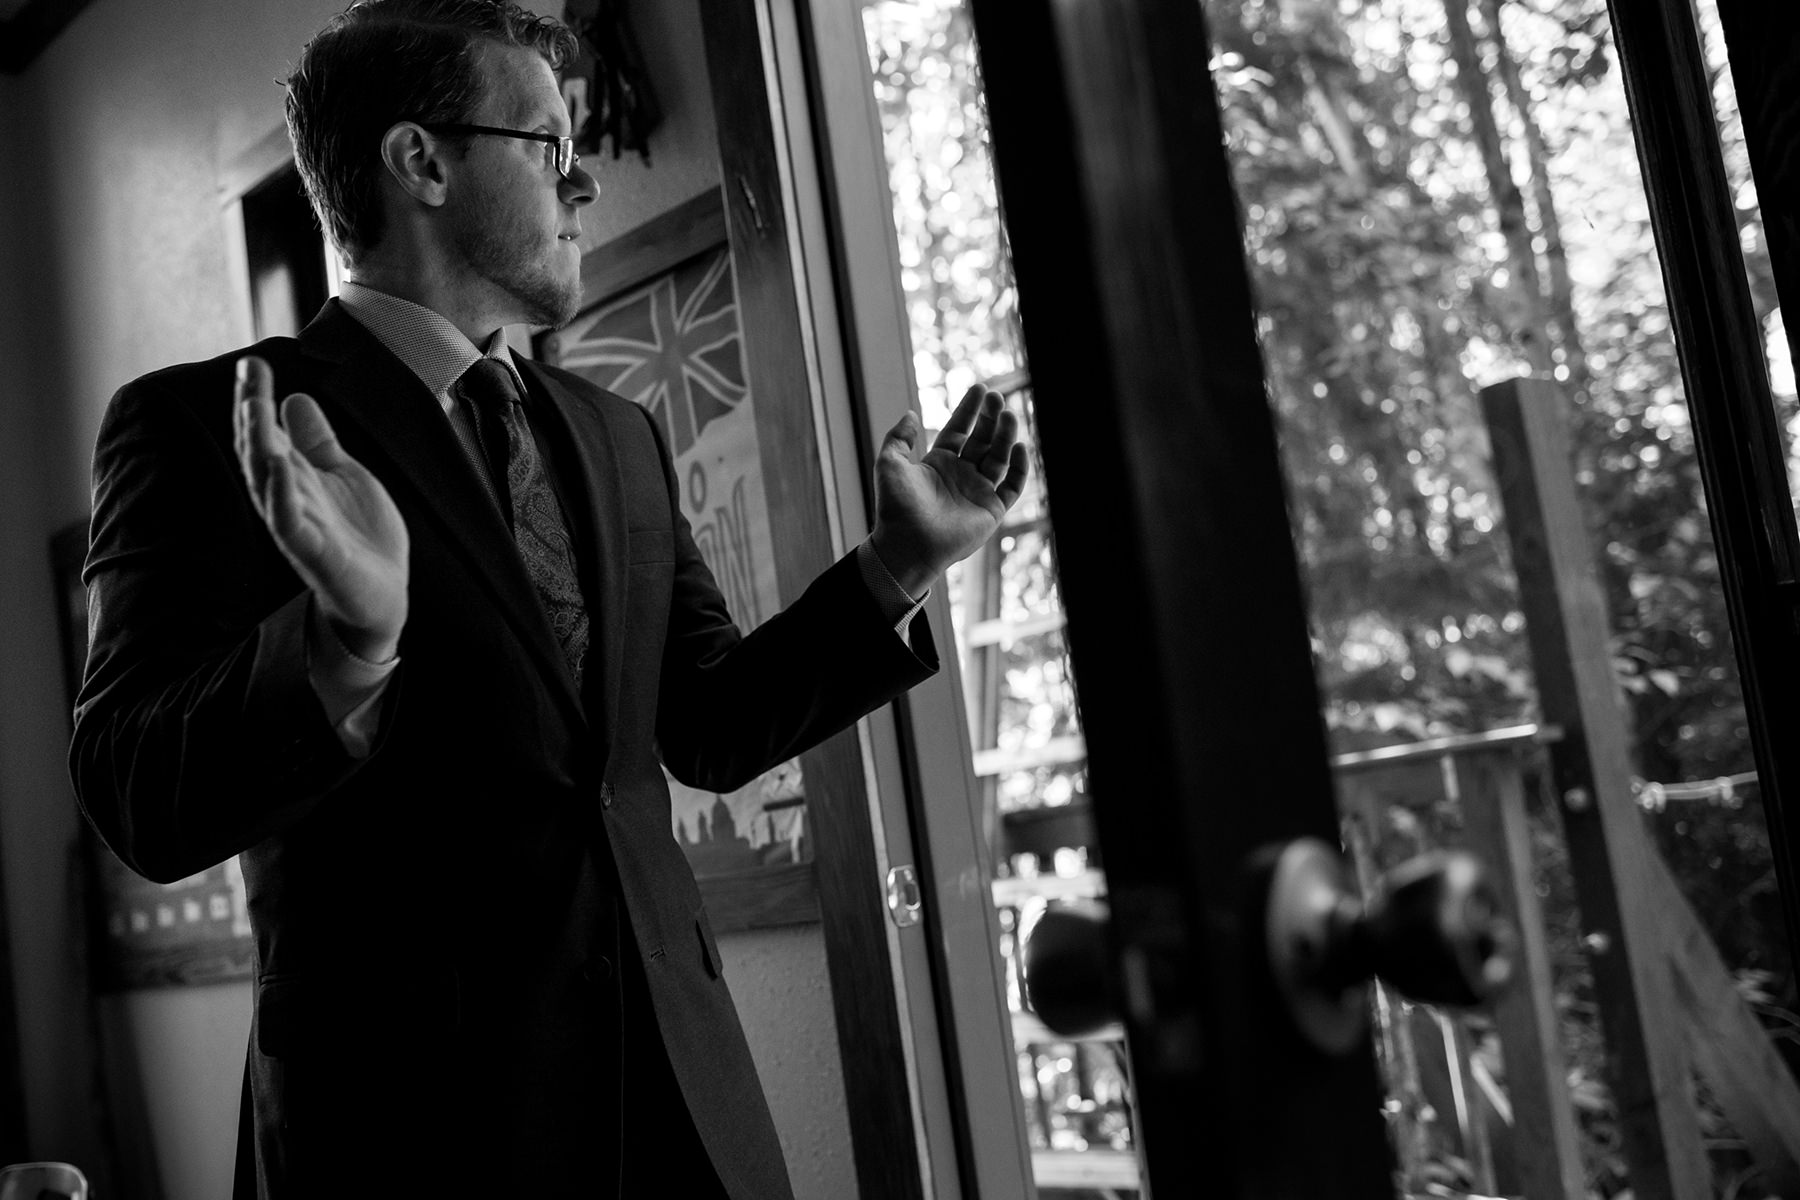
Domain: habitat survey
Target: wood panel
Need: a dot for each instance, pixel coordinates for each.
(1537, 1077)
(1730, 1047)
(1591, 768)
(786, 895)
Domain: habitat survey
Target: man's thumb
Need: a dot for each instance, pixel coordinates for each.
(904, 436)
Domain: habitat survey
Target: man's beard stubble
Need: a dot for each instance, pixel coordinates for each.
(494, 250)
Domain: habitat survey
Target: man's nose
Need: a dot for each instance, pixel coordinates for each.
(578, 187)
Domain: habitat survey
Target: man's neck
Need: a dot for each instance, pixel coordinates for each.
(476, 322)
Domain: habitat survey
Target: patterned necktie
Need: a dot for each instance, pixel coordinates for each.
(523, 492)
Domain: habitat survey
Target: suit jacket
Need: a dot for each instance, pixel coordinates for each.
(424, 917)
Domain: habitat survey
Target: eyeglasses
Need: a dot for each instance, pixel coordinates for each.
(566, 158)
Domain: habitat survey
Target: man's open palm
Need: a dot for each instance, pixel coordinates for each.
(332, 519)
(942, 508)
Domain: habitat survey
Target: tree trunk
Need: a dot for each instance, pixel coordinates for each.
(1523, 295)
(1559, 298)
(1335, 125)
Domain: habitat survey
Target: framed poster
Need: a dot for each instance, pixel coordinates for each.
(660, 326)
(143, 934)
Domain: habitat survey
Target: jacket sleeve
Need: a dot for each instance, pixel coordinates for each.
(733, 705)
(197, 731)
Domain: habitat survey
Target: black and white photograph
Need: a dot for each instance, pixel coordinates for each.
(899, 599)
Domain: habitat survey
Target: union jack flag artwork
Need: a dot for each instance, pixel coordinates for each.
(672, 346)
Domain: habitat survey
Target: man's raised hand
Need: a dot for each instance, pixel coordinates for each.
(331, 518)
(942, 508)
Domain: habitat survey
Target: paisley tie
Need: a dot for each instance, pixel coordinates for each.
(523, 491)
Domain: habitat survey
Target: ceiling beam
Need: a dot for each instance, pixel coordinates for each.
(24, 35)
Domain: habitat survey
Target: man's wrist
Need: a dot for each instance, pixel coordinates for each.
(349, 686)
(914, 577)
(372, 648)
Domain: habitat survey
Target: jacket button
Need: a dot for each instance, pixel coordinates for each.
(597, 970)
(606, 795)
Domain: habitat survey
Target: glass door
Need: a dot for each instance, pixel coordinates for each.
(923, 239)
(1029, 757)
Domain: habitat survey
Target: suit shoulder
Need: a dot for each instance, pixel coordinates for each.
(203, 386)
(172, 377)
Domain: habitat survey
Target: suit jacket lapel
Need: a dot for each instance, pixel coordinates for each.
(600, 487)
(363, 386)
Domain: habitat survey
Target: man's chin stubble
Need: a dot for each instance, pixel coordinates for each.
(550, 306)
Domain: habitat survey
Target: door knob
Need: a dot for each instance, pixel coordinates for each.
(1066, 975)
(1433, 930)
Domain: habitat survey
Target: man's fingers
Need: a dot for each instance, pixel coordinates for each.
(256, 398)
(264, 439)
(956, 430)
(310, 432)
(995, 462)
(254, 378)
(294, 522)
(281, 501)
(981, 435)
(1018, 468)
(238, 436)
(255, 385)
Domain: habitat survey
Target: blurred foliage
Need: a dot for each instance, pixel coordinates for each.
(954, 267)
(1436, 195)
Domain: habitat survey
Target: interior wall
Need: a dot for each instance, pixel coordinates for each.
(113, 262)
(37, 823)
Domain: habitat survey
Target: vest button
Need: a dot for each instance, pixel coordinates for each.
(606, 795)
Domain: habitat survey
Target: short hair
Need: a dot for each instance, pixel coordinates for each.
(383, 61)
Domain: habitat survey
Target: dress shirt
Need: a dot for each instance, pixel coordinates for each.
(436, 351)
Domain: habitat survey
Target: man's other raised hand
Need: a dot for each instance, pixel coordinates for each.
(942, 508)
(331, 518)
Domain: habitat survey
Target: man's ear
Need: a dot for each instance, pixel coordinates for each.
(416, 160)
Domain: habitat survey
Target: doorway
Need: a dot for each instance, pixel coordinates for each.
(1448, 267)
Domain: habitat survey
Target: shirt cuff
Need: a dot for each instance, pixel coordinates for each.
(349, 687)
(896, 605)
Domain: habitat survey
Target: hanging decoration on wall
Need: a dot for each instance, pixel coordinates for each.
(606, 88)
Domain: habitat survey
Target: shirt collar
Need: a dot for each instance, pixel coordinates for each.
(424, 340)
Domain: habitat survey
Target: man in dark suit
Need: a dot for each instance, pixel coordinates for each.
(418, 644)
